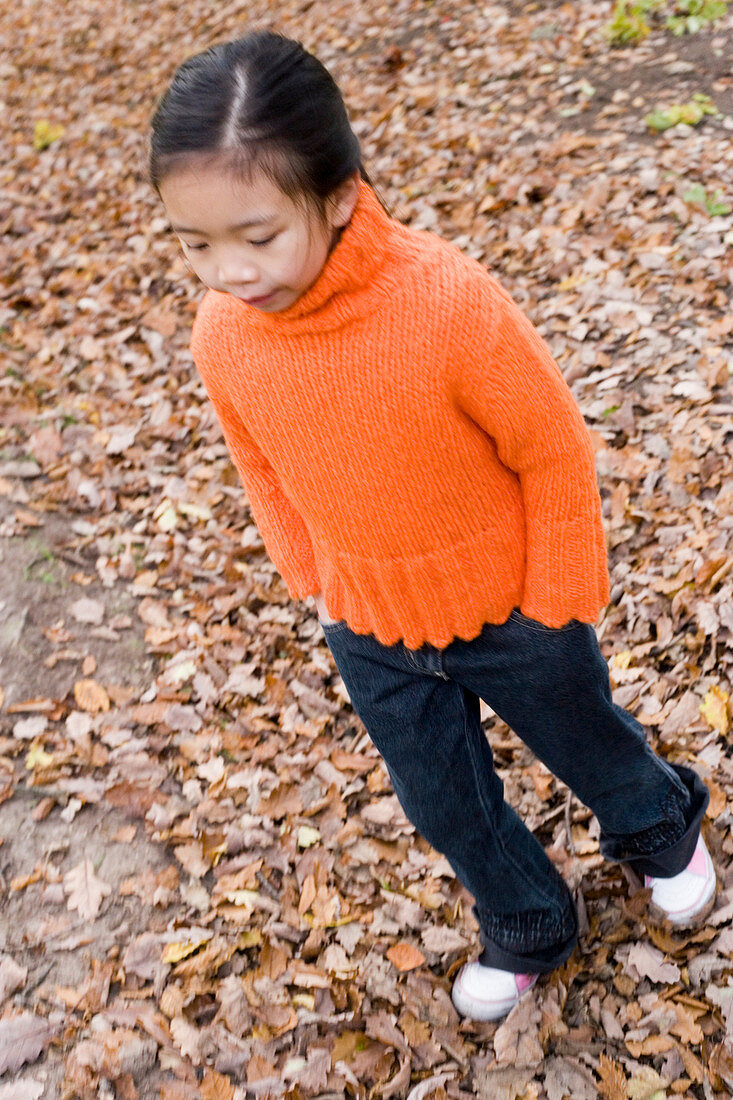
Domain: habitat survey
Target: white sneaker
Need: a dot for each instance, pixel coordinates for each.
(689, 896)
(485, 993)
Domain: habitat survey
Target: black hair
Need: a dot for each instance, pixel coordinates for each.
(259, 102)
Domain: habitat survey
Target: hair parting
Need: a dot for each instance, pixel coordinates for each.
(261, 102)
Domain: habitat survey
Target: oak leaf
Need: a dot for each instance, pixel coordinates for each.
(85, 889)
(91, 696)
(613, 1079)
(405, 956)
(22, 1038)
(516, 1041)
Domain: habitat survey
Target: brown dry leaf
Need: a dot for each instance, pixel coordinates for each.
(259, 1069)
(116, 1053)
(645, 1083)
(503, 1083)
(189, 1039)
(22, 1038)
(516, 1041)
(88, 611)
(693, 1066)
(645, 961)
(718, 800)
(565, 1077)
(91, 696)
(653, 1044)
(234, 1006)
(85, 889)
(720, 1067)
(89, 666)
(613, 1079)
(24, 1088)
(405, 956)
(215, 1086)
(12, 976)
(716, 709)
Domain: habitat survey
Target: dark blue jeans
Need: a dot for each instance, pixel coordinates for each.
(421, 710)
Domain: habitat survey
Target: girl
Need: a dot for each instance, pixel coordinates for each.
(415, 462)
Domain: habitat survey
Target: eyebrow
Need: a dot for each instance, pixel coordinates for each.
(250, 224)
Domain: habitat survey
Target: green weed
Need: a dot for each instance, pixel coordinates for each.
(712, 204)
(692, 16)
(629, 22)
(630, 19)
(689, 113)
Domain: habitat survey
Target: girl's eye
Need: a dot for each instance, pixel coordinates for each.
(196, 247)
(264, 241)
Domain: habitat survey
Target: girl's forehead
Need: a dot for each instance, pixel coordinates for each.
(215, 196)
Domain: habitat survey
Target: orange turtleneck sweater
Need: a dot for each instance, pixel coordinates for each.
(407, 443)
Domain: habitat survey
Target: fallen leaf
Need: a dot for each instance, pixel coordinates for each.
(405, 956)
(613, 1079)
(645, 961)
(646, 1084)
(85, 889)
(516, 1041)
(215, 1086)
(715, 709)
(25, 1088)
(12, 976)
(22, 1038)
(88, 611)
(91, 696)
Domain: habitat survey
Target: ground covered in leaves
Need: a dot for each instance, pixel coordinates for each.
(207, 886)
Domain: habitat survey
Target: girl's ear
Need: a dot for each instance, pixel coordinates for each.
(342, 202)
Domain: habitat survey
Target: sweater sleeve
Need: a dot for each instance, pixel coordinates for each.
(282, 527)
(507, 382)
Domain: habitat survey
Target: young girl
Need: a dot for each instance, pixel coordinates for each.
(415, 461)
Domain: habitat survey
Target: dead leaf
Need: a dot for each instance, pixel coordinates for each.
(715, 708)
(22, 1038)
(91, 696)
(645, 1084)
(503, 1083)
(88, 611)
(215, 1086)
(645, 961)
(516, 1041)
(25, 1088)
(12, 976)
(85, 889)
(568, 1077)
(405, 956)
(613, 1079)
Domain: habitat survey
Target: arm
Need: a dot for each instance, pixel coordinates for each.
(281, 526)
(509, 384)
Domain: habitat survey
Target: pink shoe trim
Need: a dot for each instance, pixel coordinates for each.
(698, 865)
(524, 981)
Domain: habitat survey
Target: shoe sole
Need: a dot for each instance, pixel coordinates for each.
(694, 921)
(473, 1008)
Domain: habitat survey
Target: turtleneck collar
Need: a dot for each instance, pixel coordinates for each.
(341, 290)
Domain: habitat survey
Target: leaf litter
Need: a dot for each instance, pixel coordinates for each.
(301, 938)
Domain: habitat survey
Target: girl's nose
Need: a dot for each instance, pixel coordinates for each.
(233, 272)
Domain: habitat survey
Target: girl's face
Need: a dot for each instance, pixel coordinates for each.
(247, 237)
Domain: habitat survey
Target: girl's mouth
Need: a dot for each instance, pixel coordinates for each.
(260, 300)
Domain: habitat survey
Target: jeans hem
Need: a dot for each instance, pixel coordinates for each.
(674, 858)
(536, 960)
(539, 962)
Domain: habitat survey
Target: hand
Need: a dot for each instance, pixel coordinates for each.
(323, 614)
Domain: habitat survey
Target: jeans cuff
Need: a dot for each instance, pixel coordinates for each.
(670, 858)
(533, 960)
